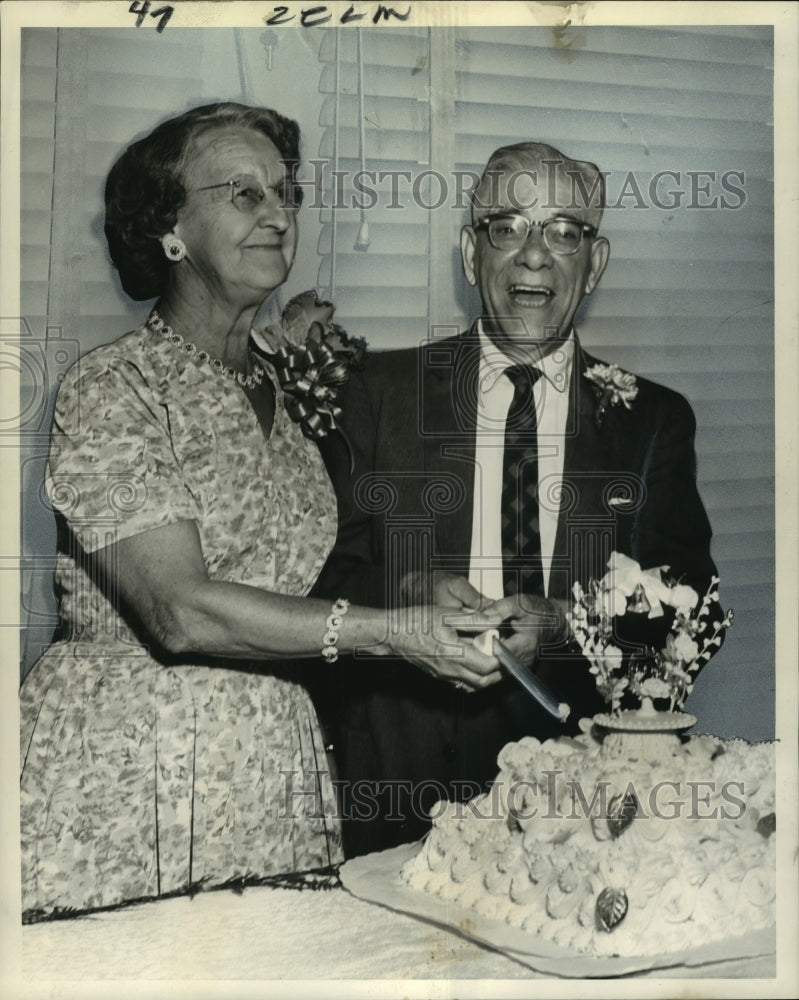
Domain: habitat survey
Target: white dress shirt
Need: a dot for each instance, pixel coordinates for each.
(494, 396)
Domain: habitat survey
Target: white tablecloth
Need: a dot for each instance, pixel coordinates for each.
(267, 933)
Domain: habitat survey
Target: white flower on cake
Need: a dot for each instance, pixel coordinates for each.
(654, 687)
(684, 647)
(644, 671)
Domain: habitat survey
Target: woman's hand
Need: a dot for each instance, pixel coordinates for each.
(427, 636)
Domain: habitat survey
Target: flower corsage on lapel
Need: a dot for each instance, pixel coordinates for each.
(612, 386)
(312, 358)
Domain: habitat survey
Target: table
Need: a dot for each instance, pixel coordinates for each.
(265, 933)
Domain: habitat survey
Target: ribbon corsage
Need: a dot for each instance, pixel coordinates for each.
(312, 359)
(612, 386)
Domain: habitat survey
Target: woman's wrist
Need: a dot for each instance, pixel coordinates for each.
(333, 624)
(364, 630)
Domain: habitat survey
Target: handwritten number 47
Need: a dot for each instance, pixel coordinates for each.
(142, 9)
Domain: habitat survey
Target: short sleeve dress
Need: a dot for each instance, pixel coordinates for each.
(142, 776)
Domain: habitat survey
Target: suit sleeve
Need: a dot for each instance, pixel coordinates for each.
(351, 570)
(672, 527)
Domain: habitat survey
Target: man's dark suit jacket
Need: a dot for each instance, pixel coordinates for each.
(403, 739)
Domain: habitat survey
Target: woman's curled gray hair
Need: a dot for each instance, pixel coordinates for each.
(144, 189)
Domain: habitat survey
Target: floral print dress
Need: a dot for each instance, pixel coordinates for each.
(140, 776)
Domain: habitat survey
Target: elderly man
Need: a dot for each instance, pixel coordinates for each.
(502, 464)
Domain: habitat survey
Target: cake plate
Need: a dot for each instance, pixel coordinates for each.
(376, 878)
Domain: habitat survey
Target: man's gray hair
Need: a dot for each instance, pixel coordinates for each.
(586, 182)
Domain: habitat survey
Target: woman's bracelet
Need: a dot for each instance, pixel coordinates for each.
(337, 612)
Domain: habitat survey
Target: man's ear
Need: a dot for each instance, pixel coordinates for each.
(468, 250)
(600, 255)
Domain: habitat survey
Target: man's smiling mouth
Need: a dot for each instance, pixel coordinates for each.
(531, 296)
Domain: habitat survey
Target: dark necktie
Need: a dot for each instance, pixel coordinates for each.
(521, 534)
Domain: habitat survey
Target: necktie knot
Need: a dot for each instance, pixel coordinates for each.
(523, 375)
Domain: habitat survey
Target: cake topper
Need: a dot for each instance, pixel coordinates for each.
(619, 624)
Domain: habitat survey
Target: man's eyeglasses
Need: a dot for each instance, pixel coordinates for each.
(510, 232)
(247, 194)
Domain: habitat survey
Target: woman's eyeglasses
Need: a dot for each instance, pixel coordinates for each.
(510, 232)
(247, 194)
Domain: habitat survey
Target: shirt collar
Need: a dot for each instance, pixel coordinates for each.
(555, 366)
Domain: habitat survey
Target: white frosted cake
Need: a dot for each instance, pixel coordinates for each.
(614, 842)
(629, 839)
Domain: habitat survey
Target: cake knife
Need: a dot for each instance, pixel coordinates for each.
(528, 680)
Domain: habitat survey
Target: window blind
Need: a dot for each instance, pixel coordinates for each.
(86, 94)
(381, 293)
(37, 148)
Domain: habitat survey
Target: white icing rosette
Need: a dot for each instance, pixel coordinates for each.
(649, 830)
(694, 867)
(437, 850)
(758, 887)
(524, 888)
(718, 895)
(470, 890)
(535, 922)
(519, 759)
(462, 864)
(501, 869)
(566, 895)
(649, 882)
(539, 865)
(586, 914)
(676, 901)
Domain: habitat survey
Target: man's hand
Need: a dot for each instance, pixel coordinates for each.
(535, 621)
(442, 588)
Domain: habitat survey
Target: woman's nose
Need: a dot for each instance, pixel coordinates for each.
(275, 211)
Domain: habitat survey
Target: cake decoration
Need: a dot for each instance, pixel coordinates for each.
(611, 908)
(617, 621)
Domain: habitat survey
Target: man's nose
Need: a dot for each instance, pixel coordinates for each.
(534, 252)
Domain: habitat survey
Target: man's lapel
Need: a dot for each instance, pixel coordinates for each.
(588, 469)
(448, 382)
(585, 445)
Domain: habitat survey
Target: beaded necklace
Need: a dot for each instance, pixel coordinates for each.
(156, 323)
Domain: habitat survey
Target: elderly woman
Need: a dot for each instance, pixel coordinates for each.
(167, 743)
